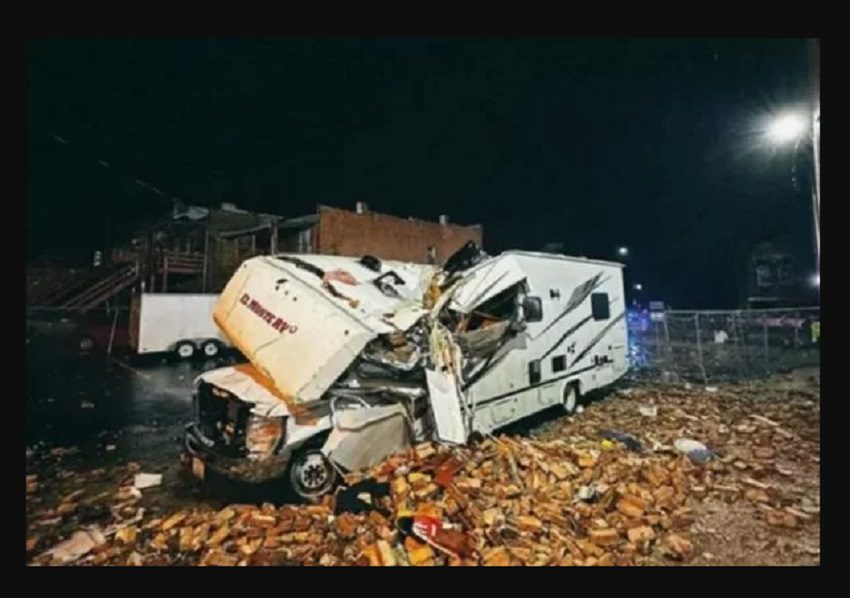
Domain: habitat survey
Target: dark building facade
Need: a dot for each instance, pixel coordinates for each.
(776, 277)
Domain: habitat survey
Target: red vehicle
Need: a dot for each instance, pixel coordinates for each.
(93, 334)
(80, 333)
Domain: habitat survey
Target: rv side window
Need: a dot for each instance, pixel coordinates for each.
(534, 371)
(559, 363)
(599, 306)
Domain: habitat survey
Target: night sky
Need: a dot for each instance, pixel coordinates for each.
(588, 143)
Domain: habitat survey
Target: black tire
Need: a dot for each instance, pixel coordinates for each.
(86, 344)
(184, 350)
(570, 399)
(311, 475)
(211, 349)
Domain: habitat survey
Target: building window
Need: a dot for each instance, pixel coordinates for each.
(559, 363)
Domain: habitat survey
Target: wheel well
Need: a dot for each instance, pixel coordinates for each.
(316, 441)
(575, 383)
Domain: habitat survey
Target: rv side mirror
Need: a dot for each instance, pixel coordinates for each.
(532, 308)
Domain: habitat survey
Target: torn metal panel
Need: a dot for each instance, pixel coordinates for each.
(404, 358)
(405, 314)
(483, 341)
(485, 281)
(297, 432)
(364, 437)
(378, 386)
(446, 406)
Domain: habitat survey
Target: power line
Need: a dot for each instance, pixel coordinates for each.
(103, 163)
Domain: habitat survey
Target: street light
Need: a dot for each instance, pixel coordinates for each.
(638, 286)
(785, 128)
(796, 126)
(816, 194)
(623, 251)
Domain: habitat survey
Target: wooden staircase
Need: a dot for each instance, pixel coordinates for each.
(106, 288)
(106, 282)
(58, 296)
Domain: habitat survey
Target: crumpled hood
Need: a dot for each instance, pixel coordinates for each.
(243, 381)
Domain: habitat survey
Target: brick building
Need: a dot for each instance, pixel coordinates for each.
(361, 232)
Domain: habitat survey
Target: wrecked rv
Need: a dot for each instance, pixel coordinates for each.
(352, 359)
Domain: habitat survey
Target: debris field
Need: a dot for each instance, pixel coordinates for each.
(649, 475)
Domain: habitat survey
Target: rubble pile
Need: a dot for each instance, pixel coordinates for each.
(764, 440)
(63, 502)
(511, 501)
(606, 487)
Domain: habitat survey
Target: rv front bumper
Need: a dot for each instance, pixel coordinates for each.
(201, 458)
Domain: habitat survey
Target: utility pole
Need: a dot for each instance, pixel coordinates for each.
(815, 64)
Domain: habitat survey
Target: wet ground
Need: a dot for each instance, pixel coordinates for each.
(112, 410)
(137, 402)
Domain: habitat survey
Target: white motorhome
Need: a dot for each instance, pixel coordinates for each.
(181, 323)
(352, 359)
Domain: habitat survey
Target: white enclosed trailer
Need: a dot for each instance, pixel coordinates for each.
(175, 322)
(352, 359)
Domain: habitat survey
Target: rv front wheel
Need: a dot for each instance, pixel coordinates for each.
(570, 398)
(311, 474)
(185, 350)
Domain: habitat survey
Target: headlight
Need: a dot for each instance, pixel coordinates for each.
(263, 434)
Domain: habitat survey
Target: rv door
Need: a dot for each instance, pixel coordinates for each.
(446, 405)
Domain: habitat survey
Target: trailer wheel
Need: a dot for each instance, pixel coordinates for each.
(570, 399)
(311, 475)
(185, 350)
(210, 348)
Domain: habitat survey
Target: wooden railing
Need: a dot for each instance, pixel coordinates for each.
(182, 263)
(127, 267)
(103, 290)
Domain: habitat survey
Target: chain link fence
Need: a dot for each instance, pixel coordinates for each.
(718, 346)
